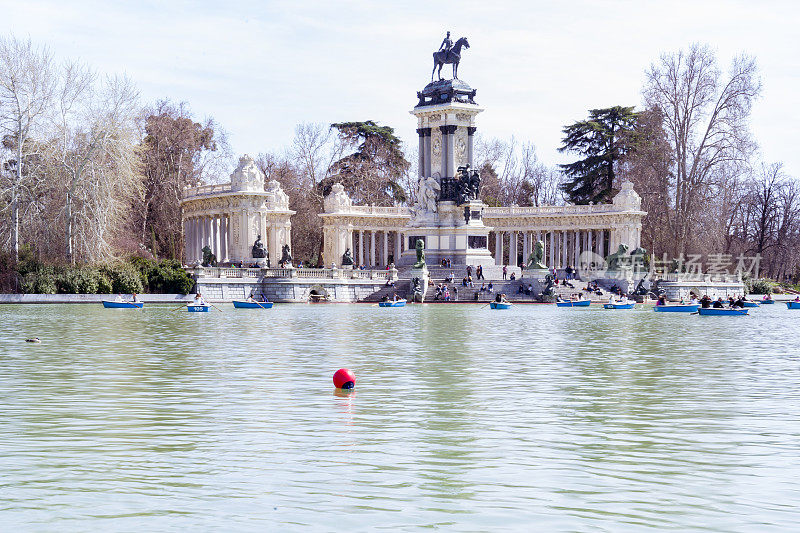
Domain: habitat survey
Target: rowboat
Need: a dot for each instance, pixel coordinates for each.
(722, 311)
(390, 303)
(682, 308)
(793, 305)
(123, 305)
(499, 305)
(619, 306)
(198, 308)
(239, 304)
(750, 304)
(578, 303)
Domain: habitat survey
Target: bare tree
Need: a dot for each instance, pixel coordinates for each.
(27, 83)
(705, 116)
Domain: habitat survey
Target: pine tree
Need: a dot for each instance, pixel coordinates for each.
(600, 140)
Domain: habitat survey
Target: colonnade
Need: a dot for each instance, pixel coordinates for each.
(372, 247)
(562, 248)
(213, 231)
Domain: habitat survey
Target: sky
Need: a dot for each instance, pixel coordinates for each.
(261, 67)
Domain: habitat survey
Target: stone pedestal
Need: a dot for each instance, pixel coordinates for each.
(424, 277)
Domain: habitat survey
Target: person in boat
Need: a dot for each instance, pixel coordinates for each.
(739, 302)
(500, 298)
(198, 299)
(797, 299)
(694, 300)
(135, 298)
(705, 301)
(767, 298)
(119, 298)
(250, 299)
(662, 300)
(718, 303)
(395, 297)
(385, 298)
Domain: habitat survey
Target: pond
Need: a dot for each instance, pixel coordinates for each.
(462, 418)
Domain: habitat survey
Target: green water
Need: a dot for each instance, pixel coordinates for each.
(463, 418)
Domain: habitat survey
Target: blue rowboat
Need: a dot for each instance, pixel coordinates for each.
(722, 311)
(750, 304)
(578, 303)
(398, 303)
(793, 305)
(198, 308)
(123, 305)
(689, 308)
(251, 305)
(499, 305)
(767, 301)
(619, 306)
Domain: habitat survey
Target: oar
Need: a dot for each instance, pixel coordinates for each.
(258, 304)
(215, 307)
(182, 306)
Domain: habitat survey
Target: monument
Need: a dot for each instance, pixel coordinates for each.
(447, 215)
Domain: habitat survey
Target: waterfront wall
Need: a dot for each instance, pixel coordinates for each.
(86, 298)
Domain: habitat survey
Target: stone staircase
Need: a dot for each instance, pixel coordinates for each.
(402, 288)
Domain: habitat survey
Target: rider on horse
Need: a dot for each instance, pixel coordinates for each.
(447, 44)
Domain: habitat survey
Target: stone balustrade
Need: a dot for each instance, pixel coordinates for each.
(290, 273)
(206, 190)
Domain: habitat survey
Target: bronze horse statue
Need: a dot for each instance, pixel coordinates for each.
(452, 56)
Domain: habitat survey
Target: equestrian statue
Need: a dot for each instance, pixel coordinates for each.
(449, 53)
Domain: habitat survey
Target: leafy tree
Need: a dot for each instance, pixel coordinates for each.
(599, 140)
(172, 156)
(372, 173)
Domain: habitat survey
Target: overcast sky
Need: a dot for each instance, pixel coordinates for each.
(259, 68)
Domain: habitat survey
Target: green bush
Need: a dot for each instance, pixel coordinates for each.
(759, 286)
(40, 280)
(169, 277)
(125, 278)
(79, 280)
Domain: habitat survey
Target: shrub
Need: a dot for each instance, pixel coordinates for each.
(41, 280)
(759, 286)
(79, 280)
(125, 278)
(170, 277)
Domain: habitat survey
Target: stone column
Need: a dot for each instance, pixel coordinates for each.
(223, 237)
(498, 248)
(427, 150)
(385, 248)
(470, 136)
(398, 245)
(525, 251)
(422, 154)
(448, 155)
(372, 248)
(564, 250)
(550, 252)
(512, 249)
(575, 252)
(589, 240)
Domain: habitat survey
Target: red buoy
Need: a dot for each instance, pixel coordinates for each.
(344, 379)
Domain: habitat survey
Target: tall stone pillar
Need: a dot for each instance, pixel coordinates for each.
(422, 155)
(385, 248)
(498, 247)
(551, 255)
(223, 234)
(372, 248)
(575, 252)
(398, 245)
(360, 247)
(589, 240)
(525, 251)
(564, 250)
(512, 249)
(470, 140)
(448, 151)
(427, 151)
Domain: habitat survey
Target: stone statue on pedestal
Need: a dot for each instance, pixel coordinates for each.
(209, 259)
(536, 256)
(286, 257)
(420, 246)
(449, 54)
(469, 184)
(347, 258)
(617, 259)
(258, 251)
(427, 193)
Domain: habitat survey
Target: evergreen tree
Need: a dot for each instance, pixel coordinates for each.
(600, 140)
(371, 174)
